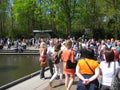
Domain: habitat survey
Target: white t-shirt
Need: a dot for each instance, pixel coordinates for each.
(108, 72)
(50, 51)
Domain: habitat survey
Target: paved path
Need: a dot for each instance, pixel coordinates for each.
(35, 83)
(57, 85)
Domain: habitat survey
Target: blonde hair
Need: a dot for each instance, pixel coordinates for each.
(43, 45)
(68, 44)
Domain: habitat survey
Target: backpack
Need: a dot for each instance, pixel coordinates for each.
(57, 57)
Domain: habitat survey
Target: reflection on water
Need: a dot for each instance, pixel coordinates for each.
(13, 67)
(7, 68)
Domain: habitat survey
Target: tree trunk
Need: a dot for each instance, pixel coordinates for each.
(69, 27)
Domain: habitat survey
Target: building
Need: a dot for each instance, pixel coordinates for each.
(42, 33)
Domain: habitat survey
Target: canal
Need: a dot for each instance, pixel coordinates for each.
(13, 67)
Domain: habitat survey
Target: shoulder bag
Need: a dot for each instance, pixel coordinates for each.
(69, 64)
(94, 82)
(43, 63)
(115, 84)
(57, 57)
(89, 66)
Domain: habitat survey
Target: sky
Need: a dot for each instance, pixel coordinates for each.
(11, 2)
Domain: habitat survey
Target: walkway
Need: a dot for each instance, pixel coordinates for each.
(35, 83)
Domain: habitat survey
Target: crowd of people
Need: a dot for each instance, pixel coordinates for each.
(96, 62)
(19, 45)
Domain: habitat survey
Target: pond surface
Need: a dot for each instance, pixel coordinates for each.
(13, 67)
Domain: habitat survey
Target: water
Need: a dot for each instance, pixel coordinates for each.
(13, 67)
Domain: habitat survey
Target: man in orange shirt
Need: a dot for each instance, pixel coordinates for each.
(87, 71)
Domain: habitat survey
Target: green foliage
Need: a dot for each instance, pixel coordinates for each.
(64, 17)
(4, 9)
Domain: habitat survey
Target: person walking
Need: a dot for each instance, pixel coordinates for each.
(87, 70)
(50, 51)
(42, 58)
(58, 65)
(68, 53)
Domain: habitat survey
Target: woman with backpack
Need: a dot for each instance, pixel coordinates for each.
(68, 55)
(58, 65)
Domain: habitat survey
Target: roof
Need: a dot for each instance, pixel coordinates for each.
(42, 30)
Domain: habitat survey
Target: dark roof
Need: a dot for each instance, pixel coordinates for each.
(42, 30)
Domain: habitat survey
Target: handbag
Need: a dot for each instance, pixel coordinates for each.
(115, 84)
(43, 64)
(56, 60)
(57, 57)
(69, 64)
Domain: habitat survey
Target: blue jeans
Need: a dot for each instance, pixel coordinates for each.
(42, 72)
(92, 86)
(50, 65)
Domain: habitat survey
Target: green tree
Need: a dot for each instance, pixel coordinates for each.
(110, 9)
(4, 17)
(24, 16)
(64, 17)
